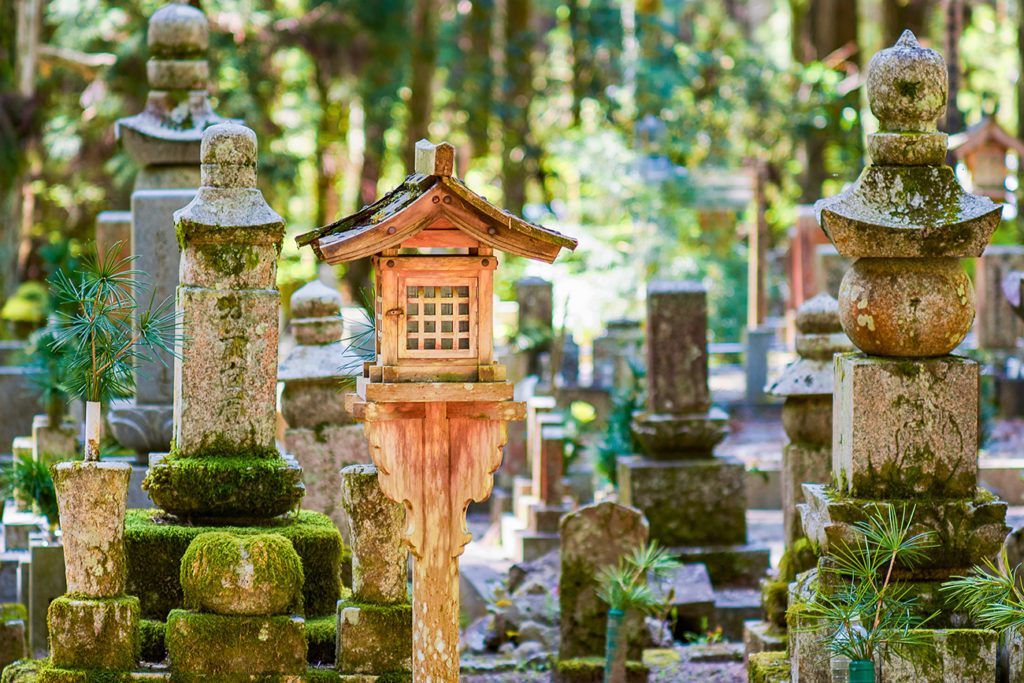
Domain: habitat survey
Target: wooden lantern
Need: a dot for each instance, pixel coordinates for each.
(982, 149)
(434, 403)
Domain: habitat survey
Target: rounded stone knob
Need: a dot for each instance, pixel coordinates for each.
(818, 315)
(315, 300)
(907, 87)
(228, 156)
(916, 308)
(178, 31)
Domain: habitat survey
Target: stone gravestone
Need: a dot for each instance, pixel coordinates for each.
(997, 327)
(905, 423)
(593, 537)
(321, 434)
(694, 501)
(164, 141)
(536, 329)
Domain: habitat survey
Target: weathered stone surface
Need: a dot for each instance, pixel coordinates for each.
(677, 358)
(323, 453)
(829, 268)
(906, 428)
(593, 537)
(534, 296)
(94, 634)
(379, 556)
(729, 566)
(93, 498)
(217, 645)
(809, 660)
(686, 502)
(260, 574)
(45, 583)
(313, 402)
(20, 403)
(907, 86)
(801, 463)
(998, 327)
(177, 30)
(113, 227)
(229, 266)
(906, 307)
(687, 590)
(156, 252)
(962, 655)
(966, 530)
(13, 645)
(807, 418)
(676, 436)
(52, 444)
(374, 639)
(144, 429)
(316, 300)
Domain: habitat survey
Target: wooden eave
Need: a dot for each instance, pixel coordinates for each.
(985, 131)
(418, 203)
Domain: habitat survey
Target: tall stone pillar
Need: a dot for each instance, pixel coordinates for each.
(321, 434)
(225, 464)
(905, 413)
(164, 141)
(694, 501)
(536, 325)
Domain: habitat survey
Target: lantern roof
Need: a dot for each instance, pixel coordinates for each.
(985, 131)
(432, 195)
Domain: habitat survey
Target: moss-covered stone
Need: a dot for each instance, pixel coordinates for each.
(961, 655)
(151, 640)
(374, 639)
(52, 674)
(13, 611)
(252, 574)
(321, 635)
(233, 487)
(25, 671)
(94, 633)
(800, 556)
(768, 667)
(774, 601)
(155, 544)
(214, 644)
(591, 670)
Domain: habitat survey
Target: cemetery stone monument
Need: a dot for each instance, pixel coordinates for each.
(905, 412)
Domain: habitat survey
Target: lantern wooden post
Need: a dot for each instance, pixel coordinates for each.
(435, 405)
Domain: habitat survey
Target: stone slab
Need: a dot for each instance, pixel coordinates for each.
(961, 655)
(545, 518)
(762, 636)
(46, 583)
(677, 355)
(687, 502)
(733, 608)
(905, 428)
(156, 247)
(94, 634)
(535, 544)
(733, 566)
(20, 404)
(801, 463)
(688, 591)
(213, 644)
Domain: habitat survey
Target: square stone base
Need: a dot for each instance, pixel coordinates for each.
(545, 518)
(961, 655)
(773, 667)
(533, 545)
(374, 639)
(734, 566)
(591, 670)
(687, 502)
(217, 645)
(808, 657)
(966, 530)
(762, 636)
(94, 634)
(905, 428)
(801, 463)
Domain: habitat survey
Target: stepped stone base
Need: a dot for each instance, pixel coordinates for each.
(762, 636)
(687, 502)
(217, 645)
(735, 566)
(374, 639)
(591, 670)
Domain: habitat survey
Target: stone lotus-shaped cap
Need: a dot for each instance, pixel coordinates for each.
(819, 336)
(906, 204)
(169, 129)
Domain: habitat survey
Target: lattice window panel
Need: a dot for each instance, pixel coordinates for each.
(440, 318)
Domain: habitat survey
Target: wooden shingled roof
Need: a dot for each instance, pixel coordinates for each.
(980, 133)
(431, 194)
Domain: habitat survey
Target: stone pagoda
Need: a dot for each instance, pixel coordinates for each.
(693, 500)
(164, 141)
(905, 415)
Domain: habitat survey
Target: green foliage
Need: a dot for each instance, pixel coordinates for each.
(93, 327)
(49, 365)
(618, 437)
(991, 594)
(32, 478)
(624, 586)
(866, 608)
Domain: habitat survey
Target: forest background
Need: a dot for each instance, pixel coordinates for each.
(659, 132)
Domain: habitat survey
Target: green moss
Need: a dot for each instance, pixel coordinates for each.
(155, 545)
(13, 611)
(317, 675)
(396, 617)
(228, 259)
(591, 670)
(219, 446)
(395, 677)
(55, 675)
(774, 600)
(320, 639)
(233, 487)
(23, 671)
(218, 645)
(213, 558)
(151, 640)
(94, 633)
(800, 557)
(768, 667)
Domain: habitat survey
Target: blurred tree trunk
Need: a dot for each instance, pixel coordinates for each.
(900, 15)
(820, 28)
(516, 105)
(19, 239)
(1020, 67)
(330, 142)
(954, 28)
(577, 53)
(478, 87)
(424, 59)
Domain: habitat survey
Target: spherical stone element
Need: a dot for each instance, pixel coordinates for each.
(818, 315)
(259, 574)
(315, 300)
(178, 31)
(228, 156)
(913, 308)
(907, 87)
